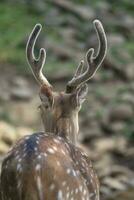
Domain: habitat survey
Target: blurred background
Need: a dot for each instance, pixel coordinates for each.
(106, 119)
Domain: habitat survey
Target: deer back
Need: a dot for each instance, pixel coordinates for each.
(45, 167)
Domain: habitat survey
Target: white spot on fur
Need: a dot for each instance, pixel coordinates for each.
(38, 167)
(58, 163)
(56, 140)
(40, 189)
(55, 148)
(68, 171)
(60, 195)
(64, 183)
(52, 186)
(50, 150)
(19, 167)
(39, 156)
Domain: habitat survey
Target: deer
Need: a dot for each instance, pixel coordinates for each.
(49, 165)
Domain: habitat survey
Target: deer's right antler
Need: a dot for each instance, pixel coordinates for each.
(36, 64)
(94, 62)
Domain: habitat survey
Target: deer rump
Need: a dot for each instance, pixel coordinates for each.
(46, 167)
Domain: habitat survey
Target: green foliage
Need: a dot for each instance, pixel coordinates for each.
(129, 130)
(18, 19)
(126, 5)
(116, 5)
(129, 45)
(15, 22)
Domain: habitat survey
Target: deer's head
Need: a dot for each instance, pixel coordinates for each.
(59, 110)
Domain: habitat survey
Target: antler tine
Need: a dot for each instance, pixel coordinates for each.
(78, 72)
(79, 69)
(94, 62)
(36, 64)
(98, 59)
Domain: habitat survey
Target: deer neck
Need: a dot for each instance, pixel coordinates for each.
(66, 127)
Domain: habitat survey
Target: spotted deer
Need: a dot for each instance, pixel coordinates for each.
(48, 165)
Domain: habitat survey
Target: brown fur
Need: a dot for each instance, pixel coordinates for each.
(52, 166)
(48, 166)
(47, 91)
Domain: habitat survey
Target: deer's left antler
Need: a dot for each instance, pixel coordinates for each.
(36, 64)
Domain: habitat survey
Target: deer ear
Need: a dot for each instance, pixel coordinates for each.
(80, 95)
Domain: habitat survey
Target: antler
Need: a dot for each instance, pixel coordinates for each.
(94, 62)
(36, 64)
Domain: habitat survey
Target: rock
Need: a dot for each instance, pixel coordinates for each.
(113, 183)
(60, 51)
(4, 94)
(69, 34)
(104, 160)
(4, 148)
(129, 21)
(19, 82)
(127, 25)
(90, 131)
(117, 59)
(24, 113)
(117, 127)
(7, 133)
(83, 12)
(54, 14)
(20, 89)
(121, 112)
(129, 70)
(22, 131)
(132, 87)
(105, 190)
(116, 171)
(125, 195)
(22, 94)
(106, 144)
(115, 40)
(128, 98)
